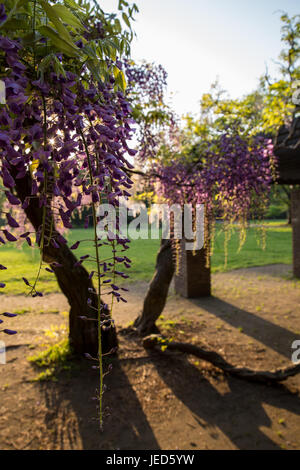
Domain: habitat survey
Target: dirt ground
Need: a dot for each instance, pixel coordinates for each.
(162, 400)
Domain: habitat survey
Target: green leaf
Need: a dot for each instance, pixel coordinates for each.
(118, 26)
(126, 20)
(12, 10)
(74, 5)
(120, 79)
(89, 50)
(121, 4)
(51, 59)
(67, 16)
(54, 18)
(95, 70)
(57, 41)
(15, 25)
(58, 68)
(110, 48)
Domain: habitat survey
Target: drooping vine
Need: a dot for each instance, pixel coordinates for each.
(64, 130)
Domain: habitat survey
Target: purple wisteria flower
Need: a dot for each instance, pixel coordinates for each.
(9, 332)
(3, 16)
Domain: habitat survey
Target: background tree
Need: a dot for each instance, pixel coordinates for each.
(275, 103)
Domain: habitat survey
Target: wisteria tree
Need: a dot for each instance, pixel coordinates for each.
(222, 159)
(64, 130)
(229, 169)
(65, 127)
(230, 173)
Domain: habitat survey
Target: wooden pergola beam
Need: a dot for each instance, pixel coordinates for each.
(287, 151)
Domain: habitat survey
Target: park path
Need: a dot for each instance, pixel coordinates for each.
(170, 401)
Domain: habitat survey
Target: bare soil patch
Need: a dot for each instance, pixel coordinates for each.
(162, 400)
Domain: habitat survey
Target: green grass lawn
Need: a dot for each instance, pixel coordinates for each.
(24, 261)
(278, 248)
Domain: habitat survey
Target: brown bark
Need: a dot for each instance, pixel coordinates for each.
(157, 293)
(217, 360)
(74, 282)
(289, 214)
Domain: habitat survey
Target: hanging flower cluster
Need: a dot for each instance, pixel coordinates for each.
(64, 145)
(146, 88)
(232, 177)
(70, 134)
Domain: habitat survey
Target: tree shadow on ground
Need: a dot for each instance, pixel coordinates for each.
(252, 325)
(238, 414)
(127, 428)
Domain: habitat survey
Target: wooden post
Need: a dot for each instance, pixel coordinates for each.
(193, 278)
(192, 275)
(296, 231)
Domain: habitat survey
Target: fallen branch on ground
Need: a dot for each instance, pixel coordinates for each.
(152, 341)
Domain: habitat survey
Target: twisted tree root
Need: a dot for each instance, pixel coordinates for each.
(152, 341)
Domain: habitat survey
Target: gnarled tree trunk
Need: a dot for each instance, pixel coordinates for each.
(74, 282)
(157, 293)
(193, 279)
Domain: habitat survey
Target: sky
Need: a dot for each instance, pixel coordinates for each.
(198, 41)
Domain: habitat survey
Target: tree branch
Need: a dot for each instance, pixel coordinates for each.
(153, 341)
